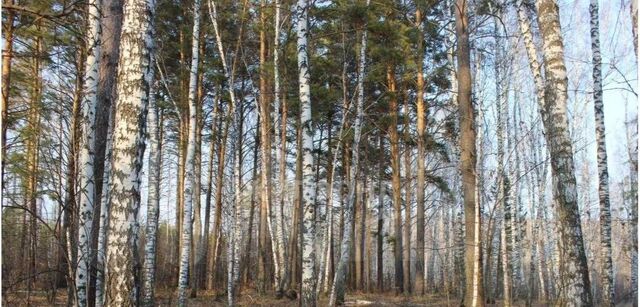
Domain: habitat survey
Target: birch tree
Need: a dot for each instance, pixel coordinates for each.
(135, 75)
(187, 228)
(308, 292)
(603, 172)
(574, 274)
(338, 288)
(279, 126)
(87, 153)
(232, 245)
(153, 202)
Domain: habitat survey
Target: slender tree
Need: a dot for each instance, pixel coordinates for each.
(187, 229)
(474, 295)
(606, 263)
(338, 288)
(87, 153)
(420, 178)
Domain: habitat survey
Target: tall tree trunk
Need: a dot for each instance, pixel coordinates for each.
(395, 179)
(308, 292)
(153, 205)
(338, 288)
(134, 83)
(70, 213)
(603, 173)
(574, 274)
(279, 125)
(236, 110)
(234, 237)
(187, 231)
(104, 211)
(406, 226)
(329, 269)
(7, 55)
(87, 153)
(265, 153)
(474, 295)
(203, 252)
(254, 178)
(503, 181)
(294, 239)
(32, 150)
(106, 95)
(420, 179)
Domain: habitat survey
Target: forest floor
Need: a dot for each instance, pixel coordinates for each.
(251, 298)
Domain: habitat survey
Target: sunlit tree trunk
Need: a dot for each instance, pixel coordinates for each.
(187, 228)
(87, 152)
(106, 95)
(134, 83)
(473, 257)
(279, 126)
(574, 274)
(420, 179)
(308, 292)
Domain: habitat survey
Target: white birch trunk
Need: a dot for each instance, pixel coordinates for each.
(308, 291)
(87, 152)
(606, 263)
(185, 254)
(574, 274)
(135, 75)
(278, 154)
(524, 21)
(338, 288)
(153, 203)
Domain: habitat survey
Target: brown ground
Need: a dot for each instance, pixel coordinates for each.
(251, 298)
